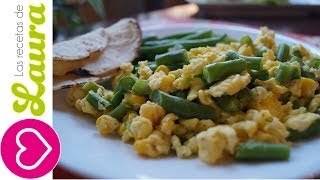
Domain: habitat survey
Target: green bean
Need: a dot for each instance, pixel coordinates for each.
(284, 98)
(297, 53)
(106, 83)
(286, 73)
(172, 57)
(231, 55)
(259, 74)
(283, 52)
(97, 101)
(177, 35)
(158, 42)
(251, 151)
(252, 62)
(308, 74)
(127, 82)
(298, 60)
(117, 98)
(175, 47)
(153, 66)
(187, 44)
(141, 87)
(221, 70)
(228, 40)
(311, 131)
(296, 104)
(150, 51)
(173, 67)
(234, 103)
(261, 51)
(315, 63)
(199, 35)
(317, 111)
(182, 107)
(149, 38)
(304, 73)
(91, 86)
(120, 111)
(296, 73)
(180, 93)
(246, 40)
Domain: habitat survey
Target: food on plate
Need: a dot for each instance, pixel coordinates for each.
(207, 95)
(69, 80)
(75, 53)
(123, 45)
(95, 55)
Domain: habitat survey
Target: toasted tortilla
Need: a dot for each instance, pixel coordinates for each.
(75, 53)
(123, 46)
(70, 79)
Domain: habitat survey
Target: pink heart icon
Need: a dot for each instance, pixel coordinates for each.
(31, 149)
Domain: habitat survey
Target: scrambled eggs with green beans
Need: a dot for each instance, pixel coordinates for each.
(207, 95)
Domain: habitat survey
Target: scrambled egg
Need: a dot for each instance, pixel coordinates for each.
(181, 83)
(215, 141)
(106, 94)
(125, 70)
(182, 151)
(194, 68)
(107, 124)
(83, 105)
(167, 124)
(163, 68)
(155, 145)
(152, 111)
(135, 100)
(74, 94)
(270, 102)
(204, 124)
(273, 108)
(304, 87)
(144, 70)
(273, 86)
(159, 80)
(301, 122)
(266, 38)
(314, 104)
(245, 129)
(246, 50)
(270, 63)
(140, 127)
(230, 86)
(270, 128)
(195, 85)
(302, 50)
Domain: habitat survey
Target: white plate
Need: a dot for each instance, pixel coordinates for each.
(87, 153)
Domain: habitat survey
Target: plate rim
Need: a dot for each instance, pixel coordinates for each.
(199, 25)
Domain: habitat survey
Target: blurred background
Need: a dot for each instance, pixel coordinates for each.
(73, 17)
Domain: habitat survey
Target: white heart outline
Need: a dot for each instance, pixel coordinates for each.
(23, 149)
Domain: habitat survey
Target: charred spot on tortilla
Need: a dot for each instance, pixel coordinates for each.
(81, 72)
(69, 80)
(77, 52)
